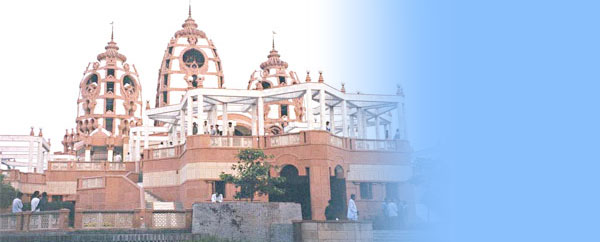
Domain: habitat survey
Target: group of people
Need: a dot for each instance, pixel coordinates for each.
(332, 209)
(214, 130)
(216, 198)
(38, 203)
(393, 213)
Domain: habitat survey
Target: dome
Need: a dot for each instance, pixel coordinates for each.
(112, 51)
(274, 61)
(190, 61)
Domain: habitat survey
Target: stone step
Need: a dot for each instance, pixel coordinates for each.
(394, 236)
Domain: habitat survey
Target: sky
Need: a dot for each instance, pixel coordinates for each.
(49, 50)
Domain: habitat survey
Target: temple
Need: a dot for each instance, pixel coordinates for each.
(124, 155)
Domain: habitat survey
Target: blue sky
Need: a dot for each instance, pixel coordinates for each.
(509, 89)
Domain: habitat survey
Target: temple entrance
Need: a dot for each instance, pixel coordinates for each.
(337, 184)
(296, 189)
(242, 131)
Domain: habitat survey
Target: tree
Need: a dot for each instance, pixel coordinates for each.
(7, 193)
(253, 175)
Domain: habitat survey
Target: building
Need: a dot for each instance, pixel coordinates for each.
(27, 153)
(329, 144)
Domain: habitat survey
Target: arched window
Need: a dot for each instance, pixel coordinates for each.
(193, 59)
(92, 78)
(128, 80)
(266, 85)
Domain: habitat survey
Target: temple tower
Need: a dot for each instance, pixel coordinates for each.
(274, 73)
(109, 104)
(190, 61)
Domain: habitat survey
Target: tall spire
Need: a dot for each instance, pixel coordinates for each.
(112, 30)
(273, 37)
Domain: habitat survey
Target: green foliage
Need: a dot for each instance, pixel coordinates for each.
(7, 193)
(252, 175)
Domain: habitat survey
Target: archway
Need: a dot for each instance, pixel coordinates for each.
(296, 189)
(337, 185)
(242, 131)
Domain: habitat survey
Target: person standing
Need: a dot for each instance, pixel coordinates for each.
(17, 204)
(352, 210)
(397, 135)
(194, 128)
(205, 129)
(35, 201)
(330, 211)
(392, 214)
(43, 206)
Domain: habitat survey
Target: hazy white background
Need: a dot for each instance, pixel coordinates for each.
(46, 46)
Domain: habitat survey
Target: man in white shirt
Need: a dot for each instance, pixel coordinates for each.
(352, 210)
(17, 204)
(205, 128)
(35, 201)
(230, 129)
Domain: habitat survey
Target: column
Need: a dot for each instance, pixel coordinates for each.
(261, 118)
(109, 155)
(181, 126)
(253, 114)
(200, 120)
(364, 124)
(30, 156)
(377, 127)
(146, 134)
(190, 111)
(137, 150)
(322, 108)
(401, 124)
(88, 153)
(332, 119)
(344, 121)
(225, 126)
(360, 123)
(352, 124)
(319, 190)
(309, 113)
(40, 159)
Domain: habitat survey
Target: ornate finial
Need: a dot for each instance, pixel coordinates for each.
(40, 133)
(273, 38)
(112, 30)
(147, 104)
(31, 132)
(343, 87)
(307, 76)
(321, 80)
(190, 8)
(399, 90)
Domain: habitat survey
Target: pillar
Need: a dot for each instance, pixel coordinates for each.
(137, 150)
(200, 120)
(352, 124)
(261, 118)
(181, 126)
(40, 158)
(109, 155)
(88, 153)
(320, 191)
(344, 119)
(225, 120)
(188, 118)
(30, 155)
(360, 123)
(332, 118)
(253, 114)
(309, 112)
(322, 108)
(377, 127)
